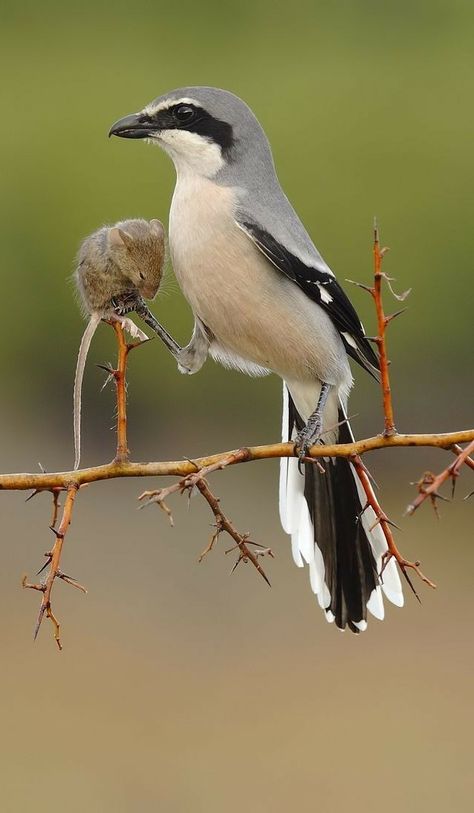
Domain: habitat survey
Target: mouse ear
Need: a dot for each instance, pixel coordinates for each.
(119, 237)
(157, 227)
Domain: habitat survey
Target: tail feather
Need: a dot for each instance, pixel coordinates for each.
(331, 534)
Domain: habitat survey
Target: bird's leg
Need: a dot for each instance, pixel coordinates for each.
(311, 433)
(142, 309)
(192, 357)
(132, 301)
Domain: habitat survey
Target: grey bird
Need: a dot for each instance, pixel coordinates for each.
(264, 300)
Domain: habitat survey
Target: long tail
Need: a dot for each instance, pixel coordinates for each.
(80, 366)
(332, 534)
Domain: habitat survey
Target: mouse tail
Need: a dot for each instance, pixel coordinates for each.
(80, 367)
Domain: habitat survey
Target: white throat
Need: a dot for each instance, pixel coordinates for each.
(190, 152)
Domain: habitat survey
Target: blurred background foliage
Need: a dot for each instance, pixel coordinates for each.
(368, 107)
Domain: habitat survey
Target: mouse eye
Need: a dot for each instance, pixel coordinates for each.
(142, 275)
(184, 113)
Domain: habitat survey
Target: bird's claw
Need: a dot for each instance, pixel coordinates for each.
(306, 438)
(124, 303)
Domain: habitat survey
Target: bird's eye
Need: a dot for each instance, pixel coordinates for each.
(184, 113)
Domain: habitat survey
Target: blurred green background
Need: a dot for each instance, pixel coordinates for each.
(180, 689)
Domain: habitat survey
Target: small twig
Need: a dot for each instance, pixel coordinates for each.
(382, 323)
(54, 558)
(158, 496)
(197, 480)
(430, 484)
(239, 456)
(71, 581)
(459, 450)
(224, 524)
(55, 491)
(212, 542)
(384, 522)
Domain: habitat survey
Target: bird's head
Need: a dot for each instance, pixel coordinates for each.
(203, 129)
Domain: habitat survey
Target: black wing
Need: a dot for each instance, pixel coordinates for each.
(322, 288)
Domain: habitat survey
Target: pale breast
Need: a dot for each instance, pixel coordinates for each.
(251, 308)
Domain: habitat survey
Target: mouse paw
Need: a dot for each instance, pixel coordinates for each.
(132, 328)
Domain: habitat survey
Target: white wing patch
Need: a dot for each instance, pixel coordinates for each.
(350, 339)
(325, 295)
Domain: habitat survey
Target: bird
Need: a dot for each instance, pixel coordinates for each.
(265, 301)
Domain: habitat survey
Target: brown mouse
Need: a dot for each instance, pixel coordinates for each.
(117, 266)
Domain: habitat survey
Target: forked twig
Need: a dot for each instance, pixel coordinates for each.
(390, 431)
(159, 496)
(53, 572)
(242, 540)
(384, 522)
(459, 450)
(55, 491)
(430, 484)
(382, 323)
(197, 480)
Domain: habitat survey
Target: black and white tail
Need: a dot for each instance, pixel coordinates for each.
(341, 546)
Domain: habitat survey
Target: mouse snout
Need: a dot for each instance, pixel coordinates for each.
(149, 289)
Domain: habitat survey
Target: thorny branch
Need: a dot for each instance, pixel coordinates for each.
(53, 556)
(181, 468)
(55, 491)
(430, 483)
(193, 473)
(121, 392)
(382, 323)
(120, 377)
(53, 571)
(384, 522)
(222, 523)
(390, 430)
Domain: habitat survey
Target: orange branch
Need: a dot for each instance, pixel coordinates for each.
(180, 468)
(120, 385)
(384, 522)
(54, 559)
(382, 322)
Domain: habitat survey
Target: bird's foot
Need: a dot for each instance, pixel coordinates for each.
(309, 435)
(125, 303)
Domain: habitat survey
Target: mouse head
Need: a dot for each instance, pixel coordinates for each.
(138, 248)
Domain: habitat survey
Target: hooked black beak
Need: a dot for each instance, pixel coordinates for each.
(138, 125)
